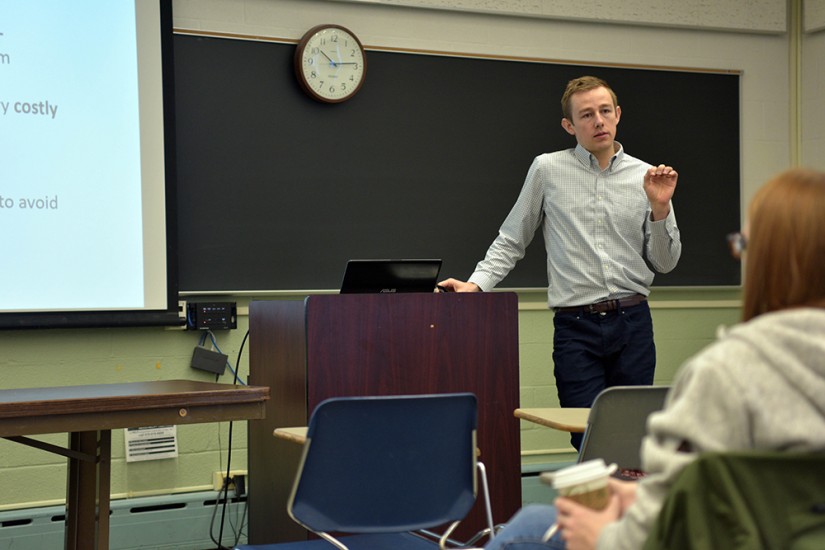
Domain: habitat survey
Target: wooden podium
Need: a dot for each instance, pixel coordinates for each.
(381, 344)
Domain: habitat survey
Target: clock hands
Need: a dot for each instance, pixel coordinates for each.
(336, 63)
(331, 62)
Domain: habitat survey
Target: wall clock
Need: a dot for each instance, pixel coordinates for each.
(330, 63)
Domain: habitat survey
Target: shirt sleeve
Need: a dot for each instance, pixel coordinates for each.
(663, 245)
(515, 234)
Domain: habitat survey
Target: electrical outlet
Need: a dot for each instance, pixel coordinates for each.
(218, 477)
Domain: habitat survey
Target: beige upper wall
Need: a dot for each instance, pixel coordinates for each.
(813, 13)
(812, 98)
(752, 15)
(729, 15)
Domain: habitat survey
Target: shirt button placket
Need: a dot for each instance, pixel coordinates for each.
(600, 226)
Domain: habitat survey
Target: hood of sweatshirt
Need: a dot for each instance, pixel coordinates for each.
(791, 343)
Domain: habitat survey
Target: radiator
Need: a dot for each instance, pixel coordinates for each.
(179, 522)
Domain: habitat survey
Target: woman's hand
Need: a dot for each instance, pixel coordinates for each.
(626, 490)
(581, 526)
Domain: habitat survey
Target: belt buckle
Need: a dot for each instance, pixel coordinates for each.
(591, 308)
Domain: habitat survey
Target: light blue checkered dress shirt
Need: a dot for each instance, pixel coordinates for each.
(596, 227)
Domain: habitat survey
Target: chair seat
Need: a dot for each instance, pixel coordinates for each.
(383, 541)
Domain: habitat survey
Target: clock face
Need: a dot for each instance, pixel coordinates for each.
(330, 63)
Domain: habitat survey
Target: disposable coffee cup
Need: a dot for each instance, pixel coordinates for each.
(585, 483)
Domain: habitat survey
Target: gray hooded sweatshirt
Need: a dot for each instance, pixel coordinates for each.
(762, 386)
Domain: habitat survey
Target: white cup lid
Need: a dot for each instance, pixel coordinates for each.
(584, 472)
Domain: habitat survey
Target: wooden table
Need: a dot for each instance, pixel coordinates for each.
(90, 413)
(564, 419)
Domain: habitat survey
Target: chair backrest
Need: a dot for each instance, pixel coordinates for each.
(749, 499)
(387, 464)
(617, 423)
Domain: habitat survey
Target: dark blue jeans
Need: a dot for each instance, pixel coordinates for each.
(593, 351)
(526, 529)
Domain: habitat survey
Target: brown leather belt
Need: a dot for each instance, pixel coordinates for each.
(604, 307)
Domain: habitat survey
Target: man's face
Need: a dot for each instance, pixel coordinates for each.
(594, 120)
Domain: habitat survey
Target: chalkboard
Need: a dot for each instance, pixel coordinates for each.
(277, 191)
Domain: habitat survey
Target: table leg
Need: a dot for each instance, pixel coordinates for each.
(104, 467)
(88, 489)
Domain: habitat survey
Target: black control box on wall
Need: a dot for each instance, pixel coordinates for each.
(211, 315)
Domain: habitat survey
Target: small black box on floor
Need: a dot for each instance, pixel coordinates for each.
(211, 315)
(208, 360)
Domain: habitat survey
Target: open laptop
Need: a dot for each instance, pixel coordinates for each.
(390, 276)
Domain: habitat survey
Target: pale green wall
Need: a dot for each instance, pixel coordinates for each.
(88, 356)
(684, 322)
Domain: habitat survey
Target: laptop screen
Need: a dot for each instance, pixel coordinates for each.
(390, 276)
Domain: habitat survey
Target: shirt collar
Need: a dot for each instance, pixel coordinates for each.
(587, 158)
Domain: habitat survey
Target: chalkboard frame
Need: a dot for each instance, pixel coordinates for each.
(277, 191)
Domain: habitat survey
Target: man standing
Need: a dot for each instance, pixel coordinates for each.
(606, 218)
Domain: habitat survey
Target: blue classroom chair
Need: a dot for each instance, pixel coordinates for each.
(383, 472)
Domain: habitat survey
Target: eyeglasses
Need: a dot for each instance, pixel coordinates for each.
(737, 243)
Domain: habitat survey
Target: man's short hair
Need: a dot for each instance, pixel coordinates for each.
(583, 84)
